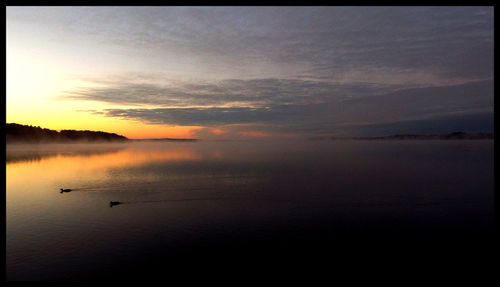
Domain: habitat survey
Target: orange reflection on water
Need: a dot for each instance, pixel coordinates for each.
(62, 167)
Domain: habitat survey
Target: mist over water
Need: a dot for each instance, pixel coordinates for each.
(201, 201)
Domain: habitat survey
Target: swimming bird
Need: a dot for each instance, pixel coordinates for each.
(65, 190)
(111, 203)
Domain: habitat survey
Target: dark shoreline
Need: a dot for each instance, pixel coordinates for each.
(16, 133)
(166, 139)
(450, 136)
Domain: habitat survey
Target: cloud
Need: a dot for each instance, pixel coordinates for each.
(230, 92)
(236, 132)
(271, 69)
(404, 105)
(323, 43)
(195, 116)
(475, 122)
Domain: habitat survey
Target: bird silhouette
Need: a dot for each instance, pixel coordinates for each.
(112, 203)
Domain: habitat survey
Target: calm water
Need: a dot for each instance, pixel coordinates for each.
(193, 204)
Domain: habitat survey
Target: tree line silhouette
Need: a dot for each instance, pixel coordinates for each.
(32, 134)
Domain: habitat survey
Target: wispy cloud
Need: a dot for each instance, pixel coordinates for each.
(403, 105)
(231, 92)
(269, 69)
(412, 44)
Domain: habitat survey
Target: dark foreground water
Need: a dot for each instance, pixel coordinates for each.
(196, 207)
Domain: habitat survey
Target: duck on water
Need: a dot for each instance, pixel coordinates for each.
(65, 190)
(112, 203)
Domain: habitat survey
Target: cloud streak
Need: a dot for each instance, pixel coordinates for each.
(231, 92)
(431, 45)
(268, 69)
(403, 105)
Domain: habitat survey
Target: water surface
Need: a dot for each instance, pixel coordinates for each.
(196, 203)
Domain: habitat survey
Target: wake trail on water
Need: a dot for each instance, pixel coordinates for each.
(84, 189)
(115, 189)
(174, 200)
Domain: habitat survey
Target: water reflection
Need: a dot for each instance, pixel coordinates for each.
(77, 161)
(172, 193)
(122, 154)
(36, 152)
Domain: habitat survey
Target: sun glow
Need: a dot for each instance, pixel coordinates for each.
(34, 87)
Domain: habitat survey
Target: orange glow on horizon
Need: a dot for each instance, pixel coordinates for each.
(127, 128)
(217, 131)
(54, 170)
(69, 166)
(255, 134)
(160, 131)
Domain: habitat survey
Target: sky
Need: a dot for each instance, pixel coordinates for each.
(251, 72)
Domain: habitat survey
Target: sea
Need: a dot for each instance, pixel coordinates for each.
(216, 207)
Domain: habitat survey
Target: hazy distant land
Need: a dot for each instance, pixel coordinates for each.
(167, 139)
(450, 136)
(16, 133)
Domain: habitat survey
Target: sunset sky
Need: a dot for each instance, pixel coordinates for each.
(251, 72)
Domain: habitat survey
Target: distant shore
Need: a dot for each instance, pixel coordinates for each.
(166, 139)
(16, 133)
(27, 134)
(450, 136)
